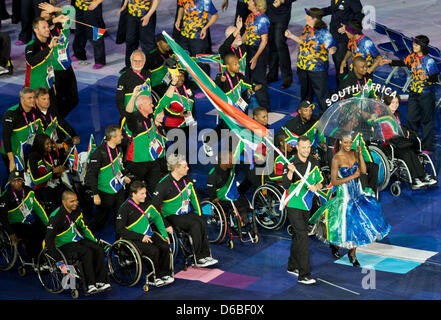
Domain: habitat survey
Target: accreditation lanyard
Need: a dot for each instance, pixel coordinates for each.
(137, 207)
(180, 98)
(27, 122)
(188, 191)
(71, 225)
(15, 195)
(241, 57)
(45, 120)
(362, 88)
(140, 75)
(111, 159)
(231, 84)
(147, 128)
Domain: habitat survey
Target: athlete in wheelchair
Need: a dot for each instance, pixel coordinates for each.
(225, 209)
(402, 158)
(23, 221)
(69, 242)
(172, 197)
(138, 242)
(266, 199)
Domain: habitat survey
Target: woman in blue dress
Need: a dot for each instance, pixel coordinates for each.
(353, 217)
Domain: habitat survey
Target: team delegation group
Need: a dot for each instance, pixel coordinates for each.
(148, 189)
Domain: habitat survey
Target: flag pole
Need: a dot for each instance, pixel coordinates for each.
(67, 157)
(87, 25)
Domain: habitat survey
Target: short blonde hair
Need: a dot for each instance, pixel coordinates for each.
(175, 160)
(260, 5)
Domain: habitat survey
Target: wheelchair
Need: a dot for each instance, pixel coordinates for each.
(55, 278)
(221, 222)
(126, 264)
(10, 254)
(391, 167)
(182, 241)
(266, 202)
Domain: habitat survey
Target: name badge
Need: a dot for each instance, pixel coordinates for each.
(30, 140)
(185, 207)
(62, 54)
(50, 71)
(241, 104)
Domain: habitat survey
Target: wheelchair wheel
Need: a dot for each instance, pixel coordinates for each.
(75, 293)
(395, 189)
(265, 203)
(8, 251)
(124, 262)
(290, 230)
(50, 276)
(216, 222)
(174, 245)
(384, 169)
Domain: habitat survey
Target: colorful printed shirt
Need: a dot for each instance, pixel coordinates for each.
(420, 66)
(365, 48)
(313, 49)
(83, 4)
(139, 8)
(255, 27)
(195, 16)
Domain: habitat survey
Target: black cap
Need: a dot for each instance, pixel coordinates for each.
(305, 104)
(16, 174)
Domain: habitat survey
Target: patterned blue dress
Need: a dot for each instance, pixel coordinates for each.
(352, 218)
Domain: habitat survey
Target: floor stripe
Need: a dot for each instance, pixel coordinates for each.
(334, 285)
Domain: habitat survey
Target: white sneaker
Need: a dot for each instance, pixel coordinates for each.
(428, 180)
(102, 286)
(202, 262)
(210, 261)
(417, 183)
(158, 282)
(3, 70)
(91, 289)
(307, 280)
(208, 149)
(294, 272)
(168, 279)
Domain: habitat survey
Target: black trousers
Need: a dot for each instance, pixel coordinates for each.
(196, 226)
(421, 111)
(258, 75)
(29, 11)
(109, 202)
(338, 57)
(196, 46)
(92, 257)
(241, 10)
(137, 35)
(5, 49)
(149, 172)
(32, 236)
(253, 178)
(279, 52)
(84, 33)
(66, 91)
(314, 82)
(122, 26)
(299, 252)
(159, 253)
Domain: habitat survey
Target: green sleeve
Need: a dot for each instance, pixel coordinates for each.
(86, 232)
(157, 220)
(162, 104)
(39, 211)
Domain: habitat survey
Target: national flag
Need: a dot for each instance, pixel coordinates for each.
(62, 266)
(208, 58)
(98, 33)
(73, 159)
(248, 130)
(326, 194)
(291, 137)
(91, 147)
(388, 127)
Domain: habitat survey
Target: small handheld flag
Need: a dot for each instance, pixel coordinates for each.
(98, 33)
